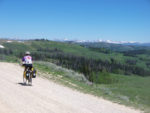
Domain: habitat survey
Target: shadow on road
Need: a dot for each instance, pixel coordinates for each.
(23, 84)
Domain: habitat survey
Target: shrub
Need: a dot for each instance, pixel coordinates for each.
(103, 78)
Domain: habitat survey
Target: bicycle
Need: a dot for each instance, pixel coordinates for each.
(27, 76)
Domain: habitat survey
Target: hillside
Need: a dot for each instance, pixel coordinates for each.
(83, 59)
(118, 76)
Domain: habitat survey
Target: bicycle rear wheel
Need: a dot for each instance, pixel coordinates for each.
(29, 79)
(24, 79)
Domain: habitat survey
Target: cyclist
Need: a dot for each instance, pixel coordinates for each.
(27, 61)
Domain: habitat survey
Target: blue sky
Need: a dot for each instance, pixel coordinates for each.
(117, 20)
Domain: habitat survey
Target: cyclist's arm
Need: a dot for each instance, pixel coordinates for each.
(32, 60)
(23, 61)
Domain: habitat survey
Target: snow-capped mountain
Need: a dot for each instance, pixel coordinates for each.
(105, 41)
(108, 41)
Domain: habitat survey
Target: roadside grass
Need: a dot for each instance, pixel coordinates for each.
(59, 71)
(129, 90)
(132, 90)
(4, 58)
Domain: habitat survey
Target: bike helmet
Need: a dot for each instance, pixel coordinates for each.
(27, 53)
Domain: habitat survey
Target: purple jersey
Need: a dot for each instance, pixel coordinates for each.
(27, 59)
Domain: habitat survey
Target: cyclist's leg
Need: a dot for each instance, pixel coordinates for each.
(24, 73)
(30, 66)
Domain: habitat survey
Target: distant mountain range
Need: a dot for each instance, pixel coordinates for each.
(114, 46)
(138, 44)
(117, 42)
(109, 44)
(105, 41)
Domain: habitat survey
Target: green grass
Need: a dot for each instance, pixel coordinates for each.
(71, 48)
(136, 90)
(17, 46)
(128, 90)
(4, 58)
(58, 70)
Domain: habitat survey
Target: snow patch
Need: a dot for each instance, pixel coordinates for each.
(99, 40)
(9, 41)
(108, 41)
(1, 46)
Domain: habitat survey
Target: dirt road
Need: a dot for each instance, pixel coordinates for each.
(47, 97)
